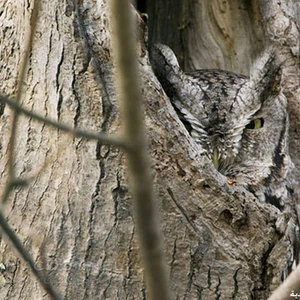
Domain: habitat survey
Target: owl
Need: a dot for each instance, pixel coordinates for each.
(240, 123)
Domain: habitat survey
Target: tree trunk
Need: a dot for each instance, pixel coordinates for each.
(209, 33)
(75, 216)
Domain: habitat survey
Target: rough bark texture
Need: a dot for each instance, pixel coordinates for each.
(75, 217)
(209, 33)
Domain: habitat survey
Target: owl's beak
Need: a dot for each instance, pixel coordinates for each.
(216, 158)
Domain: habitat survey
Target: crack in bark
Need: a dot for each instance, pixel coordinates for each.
(173, 256)
(183, 212)
(58, 88)
(106, 288)
(264, 274)
(13, 275)
(209, 278)
(76, 94)
(39, 205)
(195, 263)
(90, 231)
(236, 284)
(22, 288)
(144, 293)
(199, 291)
(48, 54)
(115, 194)
(217, 290)
(260, 291)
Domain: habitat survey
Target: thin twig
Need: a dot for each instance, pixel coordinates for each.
(100, 137)
(11, 181)
(138, 161)
(22, 70)
(27, 257)
(11, 185)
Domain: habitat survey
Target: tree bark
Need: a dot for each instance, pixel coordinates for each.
(209, 34)
(75, 216)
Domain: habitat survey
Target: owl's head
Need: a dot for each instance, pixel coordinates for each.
(240, 123)
(242, 127)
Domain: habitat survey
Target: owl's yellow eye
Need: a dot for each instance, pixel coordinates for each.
(255, 124)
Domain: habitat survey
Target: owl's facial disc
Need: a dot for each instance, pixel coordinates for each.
(221, 155)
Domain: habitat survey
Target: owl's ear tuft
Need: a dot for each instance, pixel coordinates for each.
(161, 51)
(164, 61)
(265, 75)
(166, 68)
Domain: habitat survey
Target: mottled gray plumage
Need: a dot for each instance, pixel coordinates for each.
(240, 123)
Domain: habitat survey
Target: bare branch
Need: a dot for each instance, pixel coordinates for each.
(100, 137)
(11, 181)
(27, 257)
(23, 65)
(139, 166)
